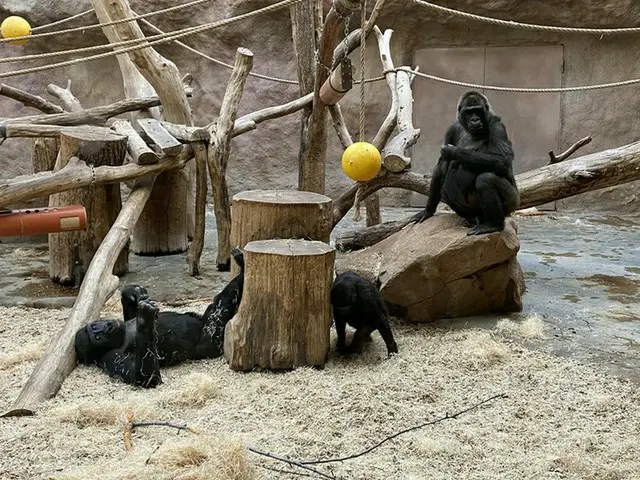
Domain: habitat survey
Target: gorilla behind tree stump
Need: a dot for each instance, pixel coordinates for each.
(435, 270)
(284, 319)
(268, 214)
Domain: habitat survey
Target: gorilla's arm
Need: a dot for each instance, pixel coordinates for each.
(497, 159)
(437, 179)
(138, 366)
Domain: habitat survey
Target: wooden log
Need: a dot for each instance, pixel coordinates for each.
(21, 130)
(160, 136)
(59, 360)
(96, 146)
(44, 152)
(394, 156)
(312, 158)
(29, 99)
(70, 102)
(76, 174)
(334, 87)
(136, 146)
(268, 214)
(168, 218)
(292, 328)
(595, 171)
(218, 155)
(197, 244)
(90, 116)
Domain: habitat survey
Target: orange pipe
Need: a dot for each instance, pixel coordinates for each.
(35, 221)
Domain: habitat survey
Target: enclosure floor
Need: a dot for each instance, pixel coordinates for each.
(567, 364)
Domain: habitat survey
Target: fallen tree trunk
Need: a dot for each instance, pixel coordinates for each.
(76, 174)
(546, 184)
(59, 360)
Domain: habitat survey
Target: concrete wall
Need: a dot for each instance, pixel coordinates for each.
(267, 157)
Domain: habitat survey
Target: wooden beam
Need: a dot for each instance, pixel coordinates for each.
(136, 146)
(160, 136)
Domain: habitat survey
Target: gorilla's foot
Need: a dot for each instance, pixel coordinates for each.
(485, 228)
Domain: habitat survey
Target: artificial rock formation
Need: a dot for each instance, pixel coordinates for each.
(434, 270)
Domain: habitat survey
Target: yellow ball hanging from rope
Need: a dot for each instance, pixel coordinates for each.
(15, 26)
(361, 161)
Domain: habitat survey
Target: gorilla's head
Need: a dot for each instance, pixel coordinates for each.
(97, 338)
(474, 111)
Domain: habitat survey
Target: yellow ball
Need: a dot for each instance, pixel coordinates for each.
(15, 26)
(361, 161)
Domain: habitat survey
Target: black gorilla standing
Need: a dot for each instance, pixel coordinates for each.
(175, 337)
(474, 174)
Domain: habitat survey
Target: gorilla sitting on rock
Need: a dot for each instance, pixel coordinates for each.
(135, 349)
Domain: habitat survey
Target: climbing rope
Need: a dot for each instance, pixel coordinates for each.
(219, 62)
(528, 26)
(97, 25)
(363, 41)
(578, 88)
(64, 20)
(158, 39)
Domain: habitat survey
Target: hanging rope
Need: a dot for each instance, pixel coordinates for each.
(528, 26)
(363, 40)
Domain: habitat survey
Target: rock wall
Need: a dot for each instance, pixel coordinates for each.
(267, 157)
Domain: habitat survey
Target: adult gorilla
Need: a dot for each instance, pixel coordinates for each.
(119, 346)
(474, 174)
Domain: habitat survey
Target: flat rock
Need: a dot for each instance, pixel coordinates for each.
(435, 270)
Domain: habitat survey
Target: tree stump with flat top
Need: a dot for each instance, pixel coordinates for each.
(284, 319)
(269, 214)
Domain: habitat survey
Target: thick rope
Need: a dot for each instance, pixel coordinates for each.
(98, 25)
(578, 88)
(363, 41)
(64, 20)
(528, 26)
(168, 38)
(219, 62)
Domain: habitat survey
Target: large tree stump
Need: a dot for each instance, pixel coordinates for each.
(44, 152)
(284, 319)
(96, 146)
(268, 214)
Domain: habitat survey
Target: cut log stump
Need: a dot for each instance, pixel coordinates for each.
(284, 319)
(95, 146)
(269, 214)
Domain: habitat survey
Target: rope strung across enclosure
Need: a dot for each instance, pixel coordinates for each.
(163, 39)
(59, 22)
(528, 26)
(98, 25)
(363, 41)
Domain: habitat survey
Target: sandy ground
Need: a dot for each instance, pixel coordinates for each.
(560, 419)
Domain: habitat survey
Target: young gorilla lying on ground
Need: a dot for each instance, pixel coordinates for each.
(136, 348)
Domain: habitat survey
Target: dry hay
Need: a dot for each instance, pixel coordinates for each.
(561, 420)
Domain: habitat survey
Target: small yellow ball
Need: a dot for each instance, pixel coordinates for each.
(15, 26)
(361, 161)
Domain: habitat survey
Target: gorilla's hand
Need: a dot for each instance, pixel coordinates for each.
(448, 151)
(421, 216)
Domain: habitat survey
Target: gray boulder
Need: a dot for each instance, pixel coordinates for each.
(434, 270)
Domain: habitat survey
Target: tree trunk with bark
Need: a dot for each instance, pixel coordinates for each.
(284, 319)
(96, 146)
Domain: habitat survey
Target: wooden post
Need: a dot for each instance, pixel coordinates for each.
(44, 153)
(268, 214)
(218, 153)
(195, 249)
(284, 319)
(98, 146)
